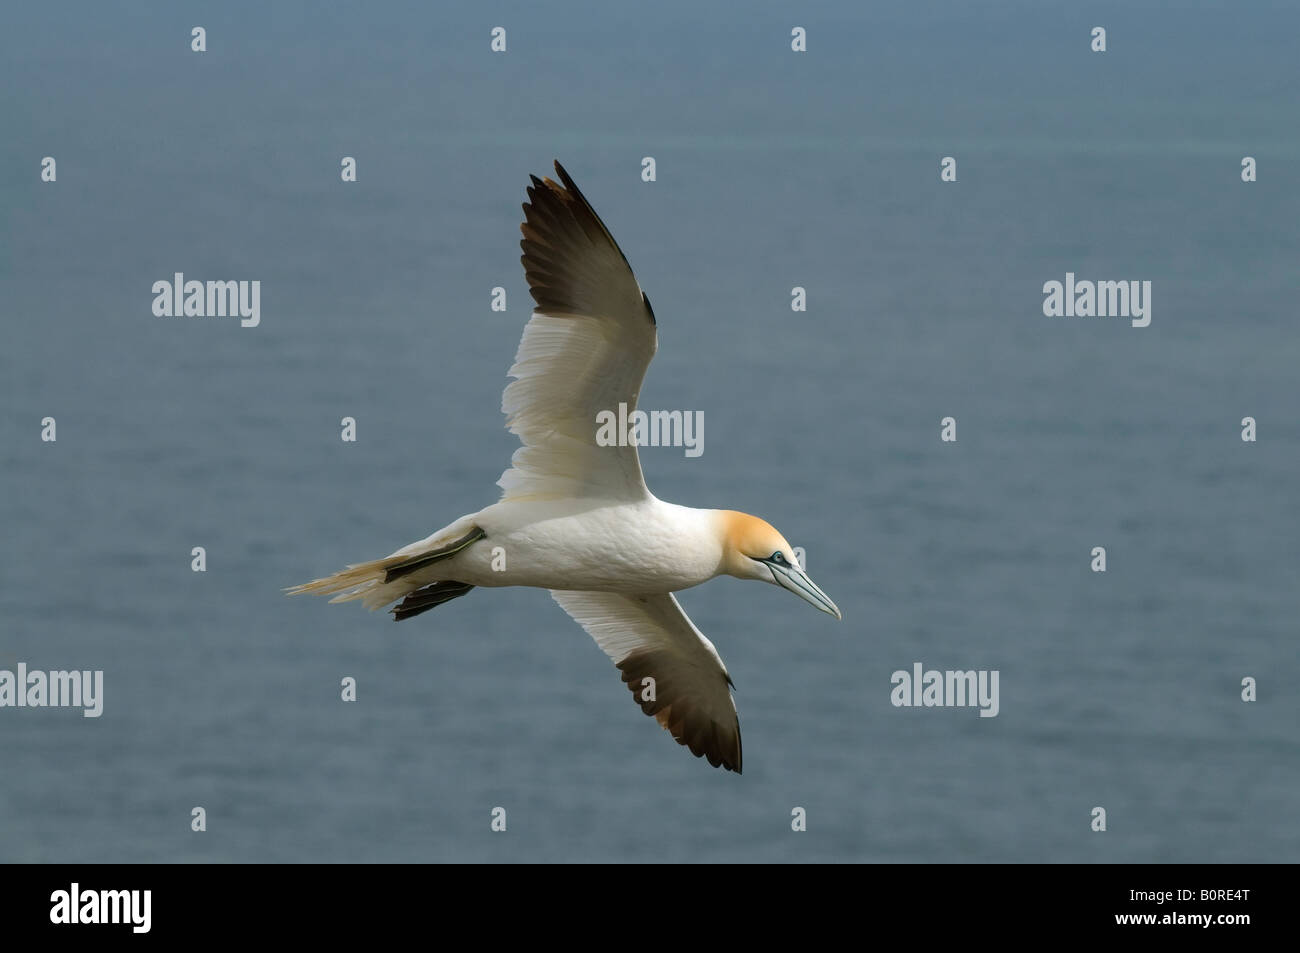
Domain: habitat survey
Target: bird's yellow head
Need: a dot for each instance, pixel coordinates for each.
(753, 549)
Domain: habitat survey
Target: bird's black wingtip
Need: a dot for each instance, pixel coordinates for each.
(569, 185)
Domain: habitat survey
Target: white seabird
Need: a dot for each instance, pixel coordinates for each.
(576, 517)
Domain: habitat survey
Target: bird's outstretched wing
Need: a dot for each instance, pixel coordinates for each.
(674, 672)
(585, 350)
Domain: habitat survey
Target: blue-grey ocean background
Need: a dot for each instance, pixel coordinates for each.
(775, 169)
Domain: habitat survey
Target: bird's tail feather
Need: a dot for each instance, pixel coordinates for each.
(381, 581)
(360, 581)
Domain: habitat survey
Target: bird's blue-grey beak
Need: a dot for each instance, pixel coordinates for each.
(792, 577)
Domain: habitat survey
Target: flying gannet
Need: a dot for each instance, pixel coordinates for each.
(576, 517)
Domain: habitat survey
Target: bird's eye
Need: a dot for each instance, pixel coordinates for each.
(778, 558)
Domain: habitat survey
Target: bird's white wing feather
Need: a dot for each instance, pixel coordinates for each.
(650, 637)
(585, 350)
